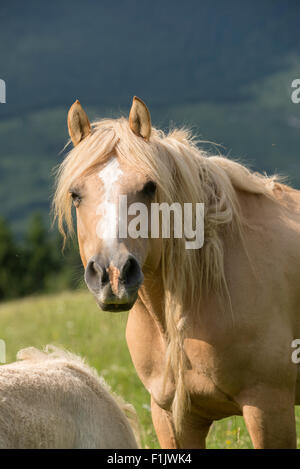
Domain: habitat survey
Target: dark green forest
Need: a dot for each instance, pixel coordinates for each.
(171, 52)
(38, 263)
(224, 68)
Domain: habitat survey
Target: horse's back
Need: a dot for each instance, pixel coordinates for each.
(59, 404)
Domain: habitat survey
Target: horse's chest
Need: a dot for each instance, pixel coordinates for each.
(209, 395)
(207, 378)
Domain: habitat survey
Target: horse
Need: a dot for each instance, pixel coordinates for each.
(209, 330)
(53, 400)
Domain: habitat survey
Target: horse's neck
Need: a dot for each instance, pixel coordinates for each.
(152, 296)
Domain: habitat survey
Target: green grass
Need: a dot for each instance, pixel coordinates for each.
(72, 320)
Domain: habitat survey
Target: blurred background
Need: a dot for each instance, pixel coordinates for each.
(224, 68)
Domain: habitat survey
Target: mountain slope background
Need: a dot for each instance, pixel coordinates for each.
(223, 68)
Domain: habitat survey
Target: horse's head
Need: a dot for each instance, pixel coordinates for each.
(113, 260)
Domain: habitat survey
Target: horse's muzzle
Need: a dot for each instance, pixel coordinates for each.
(114, 282)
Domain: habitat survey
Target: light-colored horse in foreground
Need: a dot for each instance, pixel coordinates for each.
(53, 399)
(209, 330)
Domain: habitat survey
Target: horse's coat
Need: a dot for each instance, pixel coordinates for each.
(211, 330)
(54, 400)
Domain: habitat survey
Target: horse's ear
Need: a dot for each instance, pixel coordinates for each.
(78, 123)
(139, 118)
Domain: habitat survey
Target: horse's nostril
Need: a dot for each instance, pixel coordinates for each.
(99, 272)
(131, 272)
(95, 268)
(95, 276)
(128, 268)
(105, 277)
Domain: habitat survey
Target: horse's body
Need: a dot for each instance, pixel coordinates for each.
(216, 341)
(55, 401)
(236, 367)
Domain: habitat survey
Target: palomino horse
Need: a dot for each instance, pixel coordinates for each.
(209, 330)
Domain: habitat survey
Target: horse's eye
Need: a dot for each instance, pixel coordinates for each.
(149, 188)
(76, 198)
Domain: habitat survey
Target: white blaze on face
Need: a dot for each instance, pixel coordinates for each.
(107, 226)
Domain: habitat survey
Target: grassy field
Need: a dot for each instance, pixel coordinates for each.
(72, 320)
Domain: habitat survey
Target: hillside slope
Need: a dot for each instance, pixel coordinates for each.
(223, 68)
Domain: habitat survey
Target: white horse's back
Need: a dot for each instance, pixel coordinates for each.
(54, 400)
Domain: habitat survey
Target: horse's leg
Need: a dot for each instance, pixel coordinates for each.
(270, 418)
(163, 427)
(193, 434)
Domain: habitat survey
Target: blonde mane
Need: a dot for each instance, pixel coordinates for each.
(183, 173)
